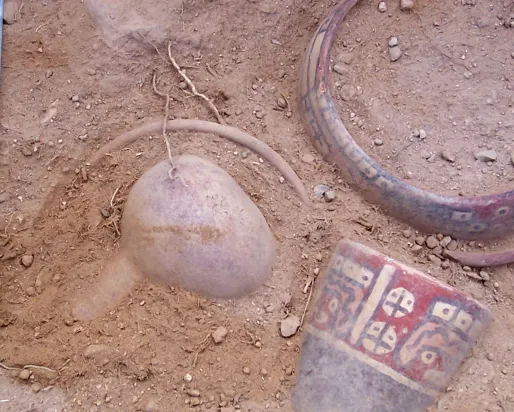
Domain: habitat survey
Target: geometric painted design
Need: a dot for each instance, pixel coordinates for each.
(398, 303)
(380, 338)
(405, 324)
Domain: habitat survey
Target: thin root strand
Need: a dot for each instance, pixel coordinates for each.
(193, 87)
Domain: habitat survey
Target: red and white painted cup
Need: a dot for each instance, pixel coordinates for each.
(382, 336)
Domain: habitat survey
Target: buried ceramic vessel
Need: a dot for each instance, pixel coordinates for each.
(382, 336)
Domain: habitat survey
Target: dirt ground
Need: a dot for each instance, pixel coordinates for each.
(65, 92)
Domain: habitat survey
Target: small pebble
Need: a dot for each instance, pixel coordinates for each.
(347, 92)
(219, 335)
(445, 264)
(378, 142)
(406, 5)
(24, 374)
(264, 372)
(485, 276)
(308, 158)
(420, 240)
(438, 250)
(27, 260)
(49, 73)
(395, 53)
(452, 245)
(11, 12)
(195, 393)
(182, 85)
(31, 291)
(289, 326)
(95, 350)
(486, 156)
(75, 98)
(445, 241)
(432, 242)
(246, 370)
(468, 74)
(496, 285)
(416, 249)
(473, 275)
(407, 233)
(422, 134)
(435, 260)
(346, 58)
(382, 7)
(320, 190)
(489, 356)
(56, 278)
(393, 41)
(330, 196)
(340, 68)
(36, 387)
(188, 377)
(194, 402)
(281, 103)
(446, 155)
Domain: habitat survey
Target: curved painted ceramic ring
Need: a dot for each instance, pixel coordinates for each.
(481, 217)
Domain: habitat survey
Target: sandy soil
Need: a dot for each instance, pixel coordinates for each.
(65, 92)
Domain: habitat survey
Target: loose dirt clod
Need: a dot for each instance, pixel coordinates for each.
(289, 326)
(24, 374)
(219, 335)
(27, 260)
(395, 53)
(96, 350)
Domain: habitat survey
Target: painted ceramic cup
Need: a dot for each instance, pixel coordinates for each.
(382, 336)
